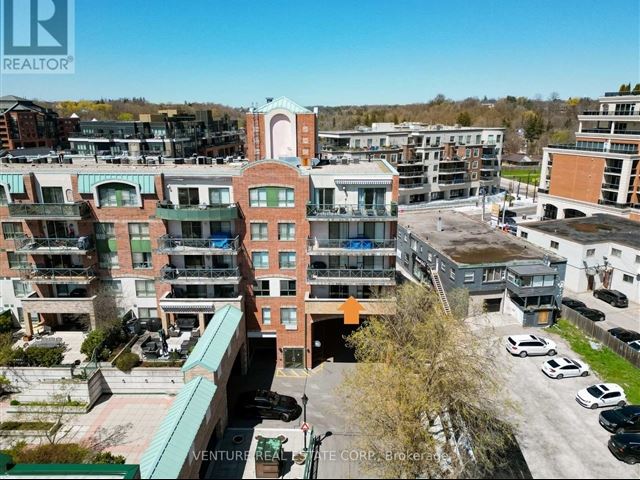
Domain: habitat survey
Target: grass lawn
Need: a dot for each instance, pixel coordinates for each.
(521, 174)
(608, 365)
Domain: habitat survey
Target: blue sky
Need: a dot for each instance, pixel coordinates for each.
(341, 52)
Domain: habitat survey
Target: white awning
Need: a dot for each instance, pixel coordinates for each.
(346, 181)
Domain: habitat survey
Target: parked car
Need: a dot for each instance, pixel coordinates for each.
(623, 419)
(565, 367)
(524, 345)
(625, 447)
(591, 313)
(602, 395)
(267, 404)
(571, 303)
(612, 297)
(635, 345)
(627, 336)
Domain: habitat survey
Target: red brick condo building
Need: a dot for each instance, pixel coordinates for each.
(287, 241)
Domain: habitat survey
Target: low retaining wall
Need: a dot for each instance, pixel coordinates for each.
(142, 380)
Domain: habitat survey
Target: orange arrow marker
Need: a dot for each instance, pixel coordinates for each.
(351, 309)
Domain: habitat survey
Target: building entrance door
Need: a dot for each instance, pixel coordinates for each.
(293, 357)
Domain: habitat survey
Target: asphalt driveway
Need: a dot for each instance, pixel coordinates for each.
(558, 437)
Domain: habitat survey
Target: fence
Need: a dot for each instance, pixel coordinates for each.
(593, 330)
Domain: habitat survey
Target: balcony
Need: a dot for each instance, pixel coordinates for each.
(613, 149)
(200, 276)
(608, 113)
(171, 303)
(213, 213)
(351, 212)
(352, 246)
(52, 246)
(351, 276)
(331, 306)
(216, 245)
(75, 305)
(611, 186)
(50, 211)
(37, 274)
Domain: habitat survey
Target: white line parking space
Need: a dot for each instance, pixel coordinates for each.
(558, 437)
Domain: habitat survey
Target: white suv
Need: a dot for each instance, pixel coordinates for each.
(524, 345)
(602, 395)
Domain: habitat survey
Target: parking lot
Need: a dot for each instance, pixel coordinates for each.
(616, 317)
(558, 437)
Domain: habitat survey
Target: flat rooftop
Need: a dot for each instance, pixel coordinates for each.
(85, 164)
(598, 228)
(468, 241)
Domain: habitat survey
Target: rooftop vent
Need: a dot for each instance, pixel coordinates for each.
(439, 226)
(269, 99)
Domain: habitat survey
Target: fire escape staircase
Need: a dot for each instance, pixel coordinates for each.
(437, 284)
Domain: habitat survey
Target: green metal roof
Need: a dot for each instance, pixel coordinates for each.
(212, 346)
(172, 442)
(14, 180)
(86, 181)
(284, 103)
(9, 469)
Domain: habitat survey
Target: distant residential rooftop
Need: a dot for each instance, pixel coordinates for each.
(468, 241)
(598, 228)
(403, 128)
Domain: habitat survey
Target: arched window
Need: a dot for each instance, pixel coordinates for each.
(116, 194)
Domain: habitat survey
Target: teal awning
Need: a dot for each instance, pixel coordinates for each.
(15, 182)
(86, 181)
(212, 346)
(170, 447)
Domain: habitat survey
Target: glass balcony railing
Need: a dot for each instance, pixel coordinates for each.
(71, 245)
(612, 149)
(350, 243)
(173, 244)
(316, 210)
(610, 113)
(204, 212)
(50, 210)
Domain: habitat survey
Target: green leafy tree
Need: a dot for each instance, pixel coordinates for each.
(625, 88)
(636, 89)
(533, 126)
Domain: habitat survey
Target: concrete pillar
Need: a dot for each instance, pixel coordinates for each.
(165, 322)
(201, 323)
(92, 321)
(28, 325)
(625, 179)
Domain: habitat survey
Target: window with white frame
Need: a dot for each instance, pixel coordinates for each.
(266, 315)
(627, 278)
(145, 288)
(260, 259)
(469, 277)
(616, 252)
(288, 317)
(259, 231)
(286, 231)
(287, 259)
(591, 252)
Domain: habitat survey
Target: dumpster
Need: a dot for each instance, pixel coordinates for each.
(268, 458)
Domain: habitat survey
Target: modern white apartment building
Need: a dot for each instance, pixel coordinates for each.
(434, 162)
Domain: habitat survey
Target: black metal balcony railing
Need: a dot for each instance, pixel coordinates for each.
(77, 209)
(351, 243)
(611, 186)
(168, 242)
(618, 131)
(351, 273)
(609, 112)
(169, 273)
(60, 273)
(72, 244)
(350, 210)
(616, 170)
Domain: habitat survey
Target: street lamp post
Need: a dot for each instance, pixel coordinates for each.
(305, 399)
